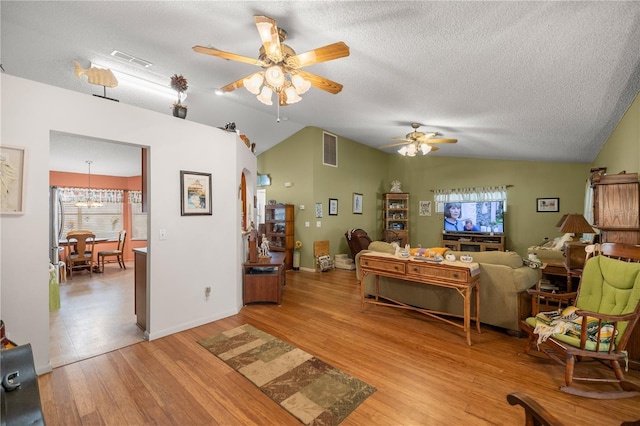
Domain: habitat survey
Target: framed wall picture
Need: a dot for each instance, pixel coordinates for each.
(425, 208)
(357, 203)
(12, 166)
(547, 204)
(333, 207)
(195, 193)
(318, 210)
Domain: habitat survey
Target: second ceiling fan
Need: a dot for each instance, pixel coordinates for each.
(282, 72)
(416, 141)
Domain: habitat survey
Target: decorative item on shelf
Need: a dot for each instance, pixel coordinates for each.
(180, 85)
(296, 255)
(466, 259)
(395, 186)
(99, 76)
(264, 247)
(450, 257)
(577, 225)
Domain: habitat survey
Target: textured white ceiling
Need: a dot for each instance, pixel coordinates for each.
(543, 81)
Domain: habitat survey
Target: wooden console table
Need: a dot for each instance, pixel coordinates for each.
(461, 277)
(264, 280)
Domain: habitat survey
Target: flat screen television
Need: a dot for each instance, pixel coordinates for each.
(480, 217)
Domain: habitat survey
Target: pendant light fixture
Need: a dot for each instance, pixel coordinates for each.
(88, 200)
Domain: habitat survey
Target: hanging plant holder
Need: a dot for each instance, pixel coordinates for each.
(180, 111)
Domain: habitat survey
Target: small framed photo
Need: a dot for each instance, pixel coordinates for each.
(357, 203)
(547, 204)
(195, 193)
(333, 207)
(12, 166)
(425, 208)
(318, 210)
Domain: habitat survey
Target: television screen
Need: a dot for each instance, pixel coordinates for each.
(474, 216)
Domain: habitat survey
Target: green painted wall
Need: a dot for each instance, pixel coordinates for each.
(298, 160)
(368, 171)
(622, 150)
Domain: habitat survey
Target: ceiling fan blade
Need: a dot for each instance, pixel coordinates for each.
(227, 55)
(392, 145)
(235, 85)
(268, 30)
(402, 139)
(435, 140)
(321, 82)
(321, 54)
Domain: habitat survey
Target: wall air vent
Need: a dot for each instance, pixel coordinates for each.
(131, 59)
(329, 149)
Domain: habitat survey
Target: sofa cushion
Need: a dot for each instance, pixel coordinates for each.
(506, 258)
(382, 246)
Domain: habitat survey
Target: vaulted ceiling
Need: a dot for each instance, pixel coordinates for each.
(544, 81)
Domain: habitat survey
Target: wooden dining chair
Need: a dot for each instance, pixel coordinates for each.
(118, 253)
(80, 245)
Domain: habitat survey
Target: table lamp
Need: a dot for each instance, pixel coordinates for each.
(577, 225)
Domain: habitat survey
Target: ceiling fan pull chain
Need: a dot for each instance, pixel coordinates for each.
(278, 118)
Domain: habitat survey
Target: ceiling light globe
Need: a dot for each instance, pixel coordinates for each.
(412, 149)
(425, 148)
(292, 96)
(253, 83)
(275, 76)
(265, 96)
(403, 150)
(301, 85)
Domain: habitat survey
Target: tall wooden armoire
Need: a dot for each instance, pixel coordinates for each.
(616, 208)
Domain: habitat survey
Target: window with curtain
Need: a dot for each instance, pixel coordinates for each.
(104, 222)
(491, 193)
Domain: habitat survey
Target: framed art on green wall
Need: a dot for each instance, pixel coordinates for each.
(357, 203)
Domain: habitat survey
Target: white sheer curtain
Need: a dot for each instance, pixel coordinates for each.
(588, 210)
(490, 193)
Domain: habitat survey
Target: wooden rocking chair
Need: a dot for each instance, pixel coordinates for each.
(609, 296)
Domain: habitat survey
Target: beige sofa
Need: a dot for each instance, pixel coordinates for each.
(503, 288)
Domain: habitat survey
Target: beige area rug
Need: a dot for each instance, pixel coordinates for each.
(311, 390)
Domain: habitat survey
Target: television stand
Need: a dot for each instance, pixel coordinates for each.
(460, 241)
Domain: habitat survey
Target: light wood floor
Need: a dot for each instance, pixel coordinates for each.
(424, 372)
(96, 315)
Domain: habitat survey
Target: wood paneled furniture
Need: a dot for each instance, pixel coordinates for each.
(264, 280)
(395, 217)
(469, 242)
(464, 278)
(574, 258)
(118, 253)
(80, 251)
(140, 284)
(279, 230)
(616, 208)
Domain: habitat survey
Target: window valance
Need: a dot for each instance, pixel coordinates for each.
(489, 193)
(71, 195)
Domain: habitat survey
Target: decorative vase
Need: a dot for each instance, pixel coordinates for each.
(180, 112)
(296, 260)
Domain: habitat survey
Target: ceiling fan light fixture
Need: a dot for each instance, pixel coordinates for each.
(253, 83)
(403, 151)
(265, 95)
(301, 85)
(292, 95)
(425, 148)
(275, 76)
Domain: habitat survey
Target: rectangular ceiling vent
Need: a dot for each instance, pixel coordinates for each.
(131, 59)
(329, 149)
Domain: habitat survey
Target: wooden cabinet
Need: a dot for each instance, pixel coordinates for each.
(467, 242)
(279, 230)
(616, 208)
(140, 283)
(395, 217)
(264, 280)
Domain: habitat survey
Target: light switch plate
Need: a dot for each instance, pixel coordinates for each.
(163, 234)
(318, 224)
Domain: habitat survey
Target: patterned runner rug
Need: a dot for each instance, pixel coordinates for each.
(311, 390)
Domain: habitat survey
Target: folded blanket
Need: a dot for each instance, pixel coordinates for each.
(568, 322)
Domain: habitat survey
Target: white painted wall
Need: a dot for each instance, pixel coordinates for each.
(199, 250)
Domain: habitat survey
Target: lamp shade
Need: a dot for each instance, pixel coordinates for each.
(265, 95)
(561, 221)
(253, 83)
(274, 76)
(576, 224)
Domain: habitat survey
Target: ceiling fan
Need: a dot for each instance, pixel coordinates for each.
(416, 141)
(282, 73)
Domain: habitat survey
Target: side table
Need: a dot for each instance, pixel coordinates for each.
(264, 280)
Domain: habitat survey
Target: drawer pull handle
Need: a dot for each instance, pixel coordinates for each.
(456, 275)
(395, 267)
